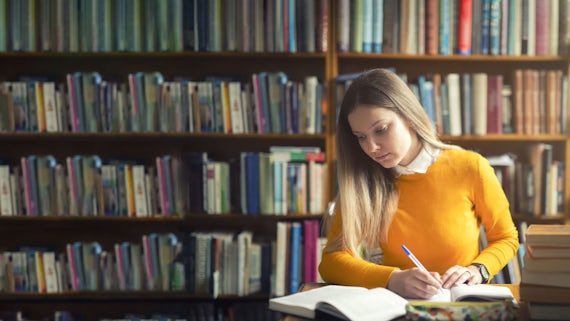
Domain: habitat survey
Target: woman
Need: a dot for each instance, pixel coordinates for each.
(400, 185)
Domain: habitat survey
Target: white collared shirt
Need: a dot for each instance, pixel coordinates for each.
(427, 155)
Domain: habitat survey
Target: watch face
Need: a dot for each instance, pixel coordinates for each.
(484, 272)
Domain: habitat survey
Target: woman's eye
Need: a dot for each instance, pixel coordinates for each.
(381, 129)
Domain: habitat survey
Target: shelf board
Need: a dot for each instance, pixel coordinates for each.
(21, 136)
(543, 219)
(470, 58)
(162, 54)
(154, 220)
(91, 296)
(505, 138)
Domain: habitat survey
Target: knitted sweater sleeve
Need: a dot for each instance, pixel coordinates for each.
(492, 207)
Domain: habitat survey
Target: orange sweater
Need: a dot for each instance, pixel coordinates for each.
(438, 220)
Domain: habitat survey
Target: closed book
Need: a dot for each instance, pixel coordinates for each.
(543, 293)
(432, 27)
(465, 26)
(342, 25)
(546, 264)
(559, 279)
(548, 235)
(543, 311)
(494, 104)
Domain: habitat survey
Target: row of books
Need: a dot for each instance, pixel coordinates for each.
(479, 103)
(545, 281)
(280, 182)
(86, 266)
(156, 25)
(146, 102)
(444, 27)
(534, 182)
(210, 263)
(258, 25)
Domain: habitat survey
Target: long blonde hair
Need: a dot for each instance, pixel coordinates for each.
(368, 197)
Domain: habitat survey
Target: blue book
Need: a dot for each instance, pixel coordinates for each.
(495, 27)
(15, 25)
(425, 89)
(120, 25)
(377, 25)
(295, 258)
(292, 26)
(33, 170)
(264, 91)
(4, 26)
(485, 26)
(367, 21)
(153, 241)
(295, 103)
(127, 269)
(79, 105)
(445, 109)
(167, 161)
(444, 27)
(275, 86)
(252, 174)
(201, 25)
(78, 259)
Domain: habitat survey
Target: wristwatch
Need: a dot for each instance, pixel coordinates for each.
(483, 271)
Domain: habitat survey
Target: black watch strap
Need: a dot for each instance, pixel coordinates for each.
(483, 271)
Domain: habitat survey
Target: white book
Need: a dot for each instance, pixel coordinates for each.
(139, 185)
(280, 259)
(244, 240)
(236, 112)
(454, 99)
(479, 94)
(50, 107)
(310, 105)
(6, 205)
(50, 272)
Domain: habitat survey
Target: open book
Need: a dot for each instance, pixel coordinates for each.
(358, 303)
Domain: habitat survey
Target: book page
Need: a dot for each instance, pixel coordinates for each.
(480, 292)
(304, 303)
(444, 295)
(372, 305)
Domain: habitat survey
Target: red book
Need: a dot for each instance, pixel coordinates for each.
(432, 27)
(465, 27)
(494, 104)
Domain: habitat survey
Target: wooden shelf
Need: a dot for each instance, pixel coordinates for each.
(102, 296)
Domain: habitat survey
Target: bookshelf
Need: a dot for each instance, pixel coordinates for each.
(145, 146)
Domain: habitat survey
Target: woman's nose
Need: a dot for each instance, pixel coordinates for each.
(372, 145)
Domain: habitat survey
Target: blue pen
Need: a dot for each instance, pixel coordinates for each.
(414, 259)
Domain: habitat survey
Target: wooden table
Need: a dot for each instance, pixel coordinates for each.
(523, 314)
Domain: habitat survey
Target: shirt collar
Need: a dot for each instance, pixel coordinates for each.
(427, 155)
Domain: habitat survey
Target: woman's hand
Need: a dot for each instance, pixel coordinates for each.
(415, 283)
(460, 274)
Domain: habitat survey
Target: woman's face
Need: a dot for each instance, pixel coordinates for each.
(384, 136)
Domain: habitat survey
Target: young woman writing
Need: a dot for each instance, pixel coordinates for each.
(400, 185)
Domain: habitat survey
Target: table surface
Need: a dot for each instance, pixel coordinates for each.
(523, 310)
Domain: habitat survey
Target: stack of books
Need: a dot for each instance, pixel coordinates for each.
(545, 283)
